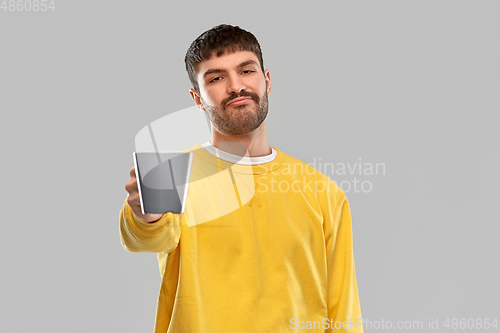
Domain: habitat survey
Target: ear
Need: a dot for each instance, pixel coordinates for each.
(197, 99)
(267, 76)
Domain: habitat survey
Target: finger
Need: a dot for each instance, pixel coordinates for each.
(131, 186)
(134, 200)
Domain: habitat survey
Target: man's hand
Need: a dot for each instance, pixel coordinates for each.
(134, 200)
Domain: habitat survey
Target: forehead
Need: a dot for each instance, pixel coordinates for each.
(227, 61)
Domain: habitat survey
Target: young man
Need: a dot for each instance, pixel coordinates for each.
(282, 259)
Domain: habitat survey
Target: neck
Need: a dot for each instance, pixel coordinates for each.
(253, 144)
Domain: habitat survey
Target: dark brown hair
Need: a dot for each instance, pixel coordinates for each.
(220, 39)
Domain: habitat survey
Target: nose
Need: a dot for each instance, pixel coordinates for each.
(235, 84)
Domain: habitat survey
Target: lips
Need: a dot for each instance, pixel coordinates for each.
(239, 101)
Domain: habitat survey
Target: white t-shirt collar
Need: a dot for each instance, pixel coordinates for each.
(231, 158)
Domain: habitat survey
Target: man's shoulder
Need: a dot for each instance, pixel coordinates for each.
(300, 166)
(307, 172)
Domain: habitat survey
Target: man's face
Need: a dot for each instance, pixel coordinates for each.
(233, 91)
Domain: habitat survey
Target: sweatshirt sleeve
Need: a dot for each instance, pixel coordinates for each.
(343, 298)
(161, 236)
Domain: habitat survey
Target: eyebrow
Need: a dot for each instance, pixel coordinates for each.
(218, 70)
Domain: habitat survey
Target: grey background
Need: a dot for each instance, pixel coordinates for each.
(412, 84)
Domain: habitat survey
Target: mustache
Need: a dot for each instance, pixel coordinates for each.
(254, 96)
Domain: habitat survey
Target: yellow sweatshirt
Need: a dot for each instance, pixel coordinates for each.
(281, 260)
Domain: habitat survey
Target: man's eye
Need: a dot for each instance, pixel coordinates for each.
(215, 79)
(247, 71)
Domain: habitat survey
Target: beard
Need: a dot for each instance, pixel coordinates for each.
(240, 119)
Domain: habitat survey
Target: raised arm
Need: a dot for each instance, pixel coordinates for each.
(146, 232)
